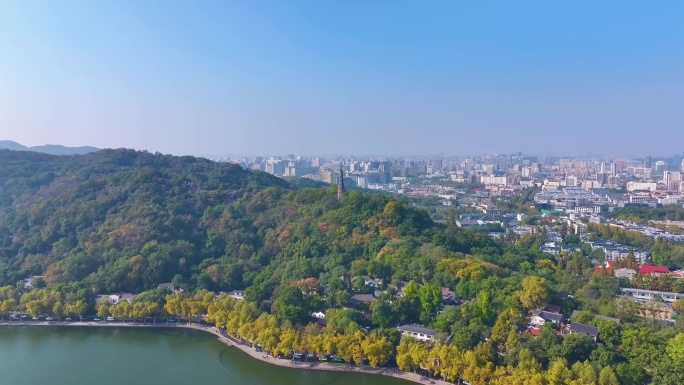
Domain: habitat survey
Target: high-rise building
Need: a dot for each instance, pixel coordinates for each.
(647, 163)
(608, 167)
(670, 177)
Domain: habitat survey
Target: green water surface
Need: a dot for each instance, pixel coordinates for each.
(34, 355)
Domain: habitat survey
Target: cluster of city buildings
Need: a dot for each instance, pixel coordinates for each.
(585, 186)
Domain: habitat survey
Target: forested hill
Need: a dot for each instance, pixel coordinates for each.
(120, 219)
(125, 220)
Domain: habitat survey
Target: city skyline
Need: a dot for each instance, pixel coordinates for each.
(39, 147)
(348, 78)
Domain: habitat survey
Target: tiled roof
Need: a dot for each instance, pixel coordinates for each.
(363, 297)
(548, 316)
(418, 329)
(584, 329)
(645, 269)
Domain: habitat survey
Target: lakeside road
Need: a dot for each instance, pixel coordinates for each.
(231, 341)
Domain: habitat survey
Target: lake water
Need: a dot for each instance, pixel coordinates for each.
(32, 355)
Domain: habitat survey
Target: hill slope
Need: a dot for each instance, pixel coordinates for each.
(68, 217)
(53, 149)
(126, 220)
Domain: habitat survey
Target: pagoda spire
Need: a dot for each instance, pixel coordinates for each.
(340, 184)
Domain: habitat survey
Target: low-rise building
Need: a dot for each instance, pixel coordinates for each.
(624, 273)
(318, 314)
(419, 333)
(648, 295)
(587, 330)
(653, 270)
(540, 317)
(116, 298)
(362, 299)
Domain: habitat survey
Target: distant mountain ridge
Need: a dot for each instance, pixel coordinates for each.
(52, 149)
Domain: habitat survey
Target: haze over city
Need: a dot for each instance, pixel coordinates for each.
(352, 77)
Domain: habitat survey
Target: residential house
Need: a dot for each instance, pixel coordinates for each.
(587, 330)
(170, 287)
(467, 223)
(318, 314)
(362, 300)
(239, 295)
(540, 317)
(419, 333)
(116, 298)
(624, 273)
(372, 282)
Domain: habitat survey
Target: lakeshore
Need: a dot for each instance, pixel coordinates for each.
(245, 348)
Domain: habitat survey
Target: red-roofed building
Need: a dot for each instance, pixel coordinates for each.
(654, 270)
(601, 269)
(533, 331)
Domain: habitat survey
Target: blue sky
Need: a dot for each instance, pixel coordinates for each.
(345, 77)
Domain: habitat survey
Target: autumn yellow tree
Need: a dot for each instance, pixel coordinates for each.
(534, 293)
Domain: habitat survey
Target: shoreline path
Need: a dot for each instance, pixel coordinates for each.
(230, 341)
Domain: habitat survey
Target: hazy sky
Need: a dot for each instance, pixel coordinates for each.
(347, 77)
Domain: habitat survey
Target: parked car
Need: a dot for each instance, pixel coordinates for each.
(67, 319)
(48, 319)
(35, 318)
(97, 319)
(110, 318)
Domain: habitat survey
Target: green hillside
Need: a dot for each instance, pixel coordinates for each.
(121, 220)
(97, 218)
(124, 220)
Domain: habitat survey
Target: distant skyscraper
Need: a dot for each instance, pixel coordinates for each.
(647, 164)
(671, 177)
(608, 167)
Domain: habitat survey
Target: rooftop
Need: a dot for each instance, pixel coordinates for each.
(363, 297)
(644, 269)
(418, 329)
(546, 315)
(583, 329)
